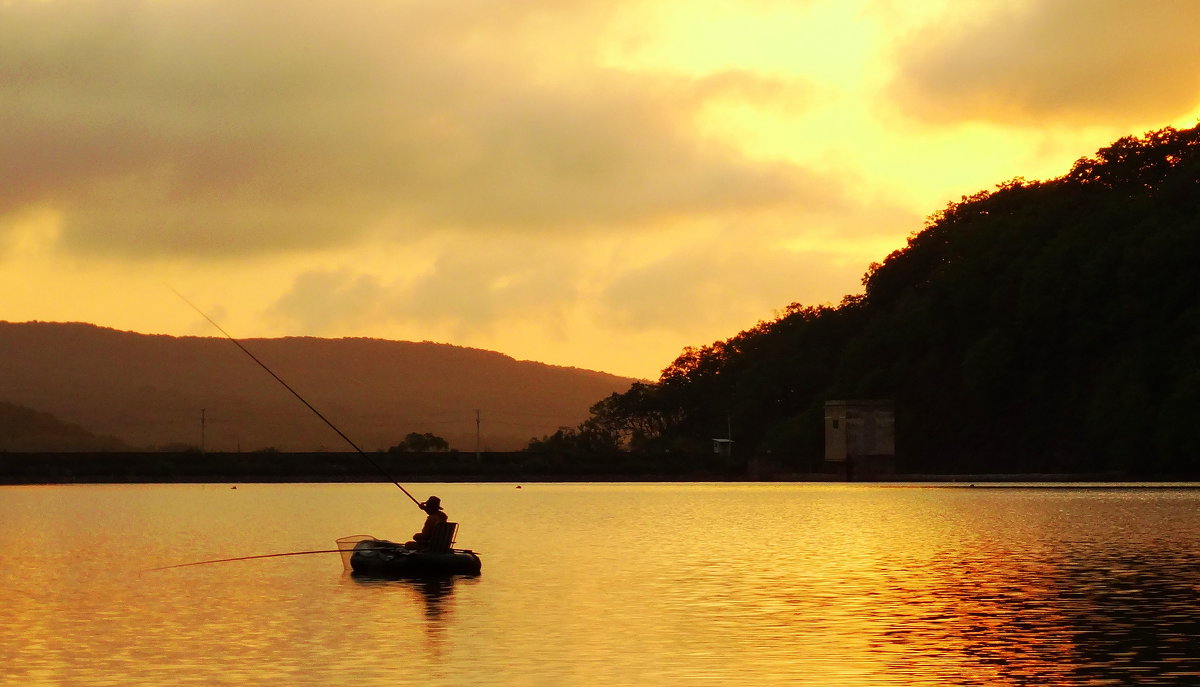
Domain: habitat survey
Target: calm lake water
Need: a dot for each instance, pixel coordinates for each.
(613, 584)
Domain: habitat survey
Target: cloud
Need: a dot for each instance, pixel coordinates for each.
(692, 278)
(720, 286)
(1106, 62)
(326, 300)
(469, 287)
(220, 128)
(473, 288)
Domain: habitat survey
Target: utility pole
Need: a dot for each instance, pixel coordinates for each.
(477, 451)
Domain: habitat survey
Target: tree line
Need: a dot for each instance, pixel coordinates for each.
(1041, 326)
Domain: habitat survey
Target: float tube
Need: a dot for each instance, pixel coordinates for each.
(366, 555)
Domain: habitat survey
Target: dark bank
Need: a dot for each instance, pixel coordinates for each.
(268, 467)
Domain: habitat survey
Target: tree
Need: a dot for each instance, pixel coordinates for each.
(420, 443)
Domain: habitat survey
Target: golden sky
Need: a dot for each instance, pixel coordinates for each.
(595, 183)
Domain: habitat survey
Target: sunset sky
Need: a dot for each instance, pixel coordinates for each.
(595, 183)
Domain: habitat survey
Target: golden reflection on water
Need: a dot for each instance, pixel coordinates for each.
(607, 584)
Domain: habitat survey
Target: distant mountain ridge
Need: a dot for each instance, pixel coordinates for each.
(24, 429)
(159, 391)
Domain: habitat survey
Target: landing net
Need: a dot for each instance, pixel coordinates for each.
(346, 547)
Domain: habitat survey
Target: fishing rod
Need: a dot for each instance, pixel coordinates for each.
(244, 558)
(302, 399)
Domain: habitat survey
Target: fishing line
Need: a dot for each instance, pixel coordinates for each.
(302, 400)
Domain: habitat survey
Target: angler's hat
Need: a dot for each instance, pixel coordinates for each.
(433, 501)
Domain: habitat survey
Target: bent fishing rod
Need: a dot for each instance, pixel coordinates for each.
(295, 393)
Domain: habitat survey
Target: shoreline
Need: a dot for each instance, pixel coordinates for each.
(490, 467)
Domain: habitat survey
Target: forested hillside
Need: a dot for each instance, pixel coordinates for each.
(1041, 326)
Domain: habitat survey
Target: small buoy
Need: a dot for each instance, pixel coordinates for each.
(233, 487)
(518, 486)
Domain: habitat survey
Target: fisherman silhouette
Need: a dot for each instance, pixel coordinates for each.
(436, 516)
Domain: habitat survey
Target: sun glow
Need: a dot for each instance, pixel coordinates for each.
(589, 185)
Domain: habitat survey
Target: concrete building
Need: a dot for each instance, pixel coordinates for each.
(860, 438)
(722, 447)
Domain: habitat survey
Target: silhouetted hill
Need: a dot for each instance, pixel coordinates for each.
(25, 429)
(150, 390)
(1041, 327)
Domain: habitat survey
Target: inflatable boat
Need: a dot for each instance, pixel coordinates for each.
(366, 555)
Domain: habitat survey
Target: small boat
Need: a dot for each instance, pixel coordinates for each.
(382, 558)
(366, 555)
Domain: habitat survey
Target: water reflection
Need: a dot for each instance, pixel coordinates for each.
(1117, 613)
(610, 584)
(435, 594)
(1134, 614)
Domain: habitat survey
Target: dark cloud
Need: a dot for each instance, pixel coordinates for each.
(1109, 62)
(218, 128)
